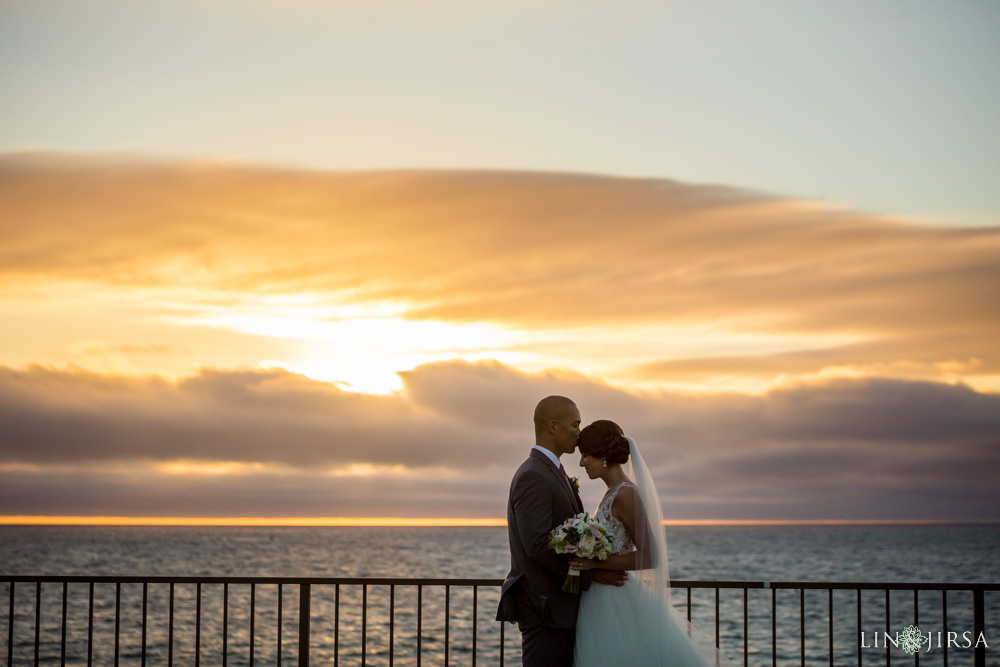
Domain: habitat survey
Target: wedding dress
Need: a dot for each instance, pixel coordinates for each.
(635, 624)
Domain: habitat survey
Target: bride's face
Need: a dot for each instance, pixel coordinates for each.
(593, 466)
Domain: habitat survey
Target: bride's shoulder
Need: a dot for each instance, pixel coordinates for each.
(625, 497)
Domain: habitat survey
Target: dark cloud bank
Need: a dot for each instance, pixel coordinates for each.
(73, 443)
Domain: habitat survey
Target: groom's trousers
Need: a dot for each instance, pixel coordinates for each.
(542, 645)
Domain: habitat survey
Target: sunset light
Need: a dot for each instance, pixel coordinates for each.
(365, 354)
(323, 259)
(281, 375)
(318, 318)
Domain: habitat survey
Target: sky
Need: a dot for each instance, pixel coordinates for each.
(321, 259)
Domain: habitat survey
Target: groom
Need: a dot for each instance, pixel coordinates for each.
(541, 497)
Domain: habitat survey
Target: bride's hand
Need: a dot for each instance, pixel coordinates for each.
(581, 564)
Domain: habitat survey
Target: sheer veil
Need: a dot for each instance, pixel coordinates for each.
(653, 567)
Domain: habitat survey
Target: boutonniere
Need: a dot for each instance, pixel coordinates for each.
(575, 483)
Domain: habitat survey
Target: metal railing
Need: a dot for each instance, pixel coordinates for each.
(978, 610)
(475, 618)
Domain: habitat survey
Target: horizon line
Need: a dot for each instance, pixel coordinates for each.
(407, 522)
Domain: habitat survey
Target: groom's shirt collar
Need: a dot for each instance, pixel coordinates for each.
(552, 457)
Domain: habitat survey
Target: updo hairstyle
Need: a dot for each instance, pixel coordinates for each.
(604, 440)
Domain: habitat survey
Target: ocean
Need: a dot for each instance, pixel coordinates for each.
(863, 553)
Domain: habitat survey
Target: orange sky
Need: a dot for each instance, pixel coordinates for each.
(209, 339)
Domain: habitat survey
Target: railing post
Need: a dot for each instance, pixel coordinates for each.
(305, 591)
(979, 624)
(10, 624)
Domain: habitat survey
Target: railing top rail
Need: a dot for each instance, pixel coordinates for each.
(843, 585)
(371, 581)
(416, 581)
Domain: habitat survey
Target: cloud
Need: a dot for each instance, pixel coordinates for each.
(148, 492)
(269, 417)
(955, 353)
(536, 249)
(548, 255)
(865, 340)
(447, 445)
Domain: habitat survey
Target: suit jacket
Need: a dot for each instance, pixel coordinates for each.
(540, 499)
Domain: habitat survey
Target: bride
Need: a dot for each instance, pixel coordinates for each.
(634, 624)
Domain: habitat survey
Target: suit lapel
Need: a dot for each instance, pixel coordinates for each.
(564, 484)
(561, 479)
(579, 501)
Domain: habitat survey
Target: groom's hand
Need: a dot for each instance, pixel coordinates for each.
(610, 577)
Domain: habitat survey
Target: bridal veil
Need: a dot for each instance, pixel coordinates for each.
(653, 567)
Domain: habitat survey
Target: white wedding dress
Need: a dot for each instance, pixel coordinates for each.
(635, 624)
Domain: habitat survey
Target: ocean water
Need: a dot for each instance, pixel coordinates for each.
(350, 624)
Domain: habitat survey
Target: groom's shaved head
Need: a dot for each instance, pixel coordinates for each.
(551, 408)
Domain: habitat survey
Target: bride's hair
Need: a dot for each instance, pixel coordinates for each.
(604, 440)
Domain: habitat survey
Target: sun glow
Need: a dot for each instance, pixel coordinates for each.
(363, 348)
(370, 470)
(184, 467)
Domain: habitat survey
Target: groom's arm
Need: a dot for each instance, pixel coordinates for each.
(532, 505)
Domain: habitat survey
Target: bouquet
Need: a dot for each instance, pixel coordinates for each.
(581, 537)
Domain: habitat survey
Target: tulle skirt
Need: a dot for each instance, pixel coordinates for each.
(631, 625)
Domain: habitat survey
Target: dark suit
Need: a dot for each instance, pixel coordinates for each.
(540, 499)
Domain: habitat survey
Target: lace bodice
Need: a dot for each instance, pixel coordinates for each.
(620, 541)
